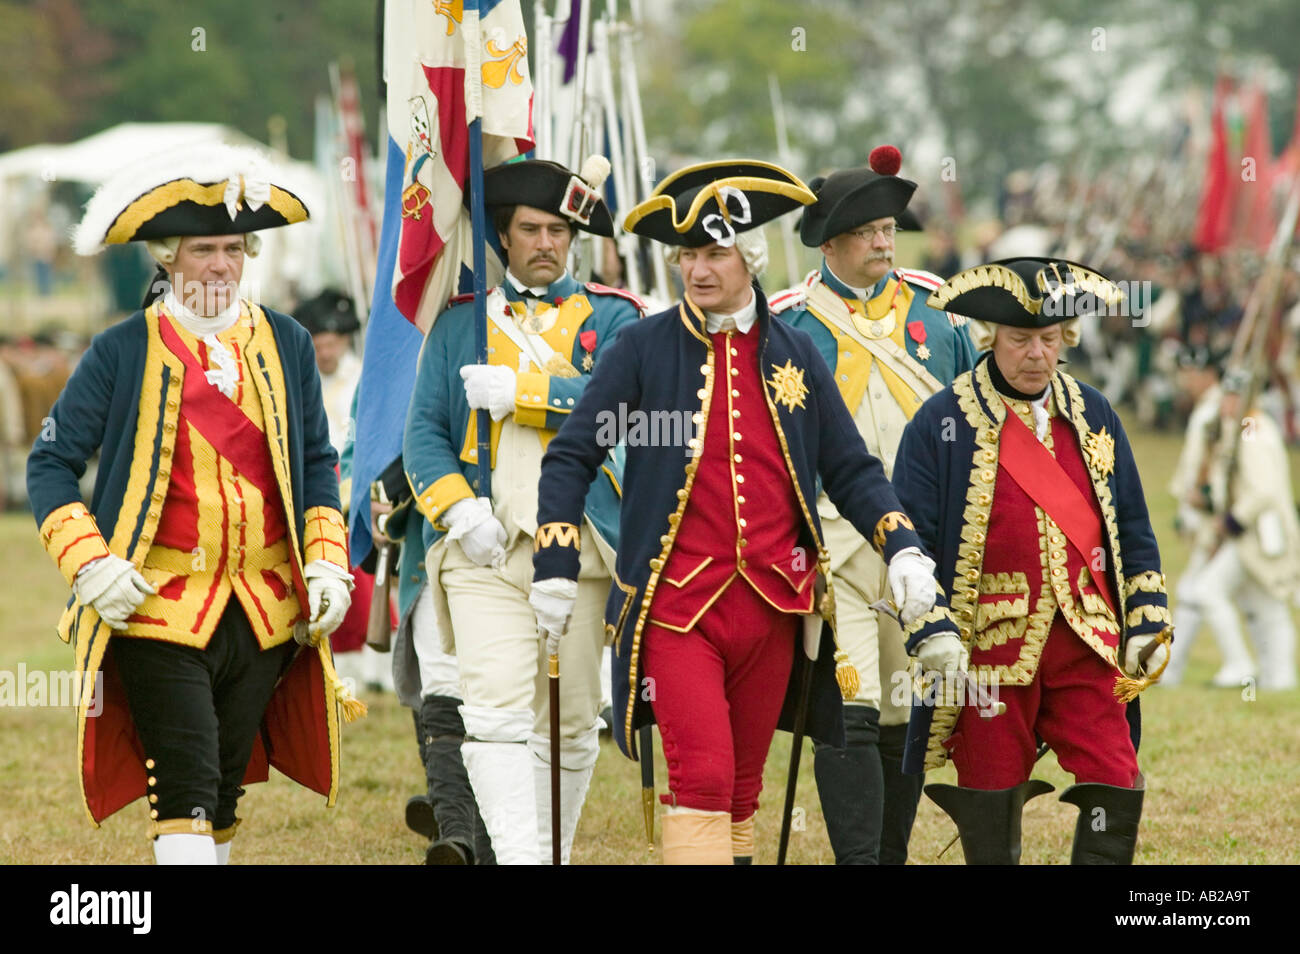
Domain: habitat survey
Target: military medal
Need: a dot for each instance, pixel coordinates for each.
(916, 329)
(588, 341)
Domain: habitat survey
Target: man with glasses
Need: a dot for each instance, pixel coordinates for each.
(889, 351)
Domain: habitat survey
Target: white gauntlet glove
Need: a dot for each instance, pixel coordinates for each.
(911, 579)
(1134, 648)
(328, 598)
(943, 653)
(489, 387)
(480, 534)
(552, 600)
(113, 587)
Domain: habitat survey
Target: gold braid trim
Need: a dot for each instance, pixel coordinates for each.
(887, 525)
(223, 835)
(179, 826)
(1149, 612)
(559, 534)
(935, 614)
(1148, 581)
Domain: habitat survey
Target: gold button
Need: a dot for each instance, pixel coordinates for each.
(735, 392)
(734, 351)
(737, 458)
(697, 418)
(701, 393)
(165, 451)
(152, 781)
(988, 476)
(735, 371)
(740, 500)
(153, 813)
(1057, 571)
(415, 579)
(148, 763)
(740, 478)
(979, 537)
(736, 436)
(665, 540)
(972, 575)
(704, 369)
(735, 413)
(742, 524)
(743, 564)
(965, 632)
(681, 494)
(1058, 555)
(981, 518)
(153, 799)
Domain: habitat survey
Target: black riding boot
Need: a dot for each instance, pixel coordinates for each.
(850, 788)
(419, 808)
(902, 793)
(453, 802)
(1107, 829)
(988, 821)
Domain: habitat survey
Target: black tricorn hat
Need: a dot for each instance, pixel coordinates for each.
(713, 201)
(329, 311)
(851, 197)
(549, 186)
(1026, 292)
(213, 190)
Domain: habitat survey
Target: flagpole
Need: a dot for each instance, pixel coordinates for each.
(474, 111)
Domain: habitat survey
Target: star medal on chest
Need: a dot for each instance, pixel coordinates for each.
(916, 330)
(787, 385)
(588, 341)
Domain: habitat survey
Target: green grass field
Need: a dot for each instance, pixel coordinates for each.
(1221, 765)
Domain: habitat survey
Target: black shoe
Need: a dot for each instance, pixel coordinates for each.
(1107, 829)
(607, 717)
(902, 793)
(420, 818)
(988, 821)
(448, 852)
(850, 787)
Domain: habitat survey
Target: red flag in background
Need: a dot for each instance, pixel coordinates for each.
(1287, 166)
(1214, 218)
(1256, 216)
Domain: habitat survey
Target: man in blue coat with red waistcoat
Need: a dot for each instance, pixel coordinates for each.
(1023, 486)
(720, 545)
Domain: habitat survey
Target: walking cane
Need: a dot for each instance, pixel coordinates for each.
(553, 674)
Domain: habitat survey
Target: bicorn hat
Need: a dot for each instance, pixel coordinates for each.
(549, 186)
(714, 201)
(1027, 292)
(213, 190)
(329, 311)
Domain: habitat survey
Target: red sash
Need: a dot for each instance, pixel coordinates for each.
(227, 429)
(1040, 475)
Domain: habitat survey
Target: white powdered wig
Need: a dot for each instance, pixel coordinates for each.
(206, 163)
(164, 250)
(752, 245)
(982, 333)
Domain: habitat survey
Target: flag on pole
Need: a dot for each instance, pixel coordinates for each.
(1214, 217)
(424, 239)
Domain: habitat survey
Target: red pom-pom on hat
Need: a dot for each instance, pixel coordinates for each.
(885, 160)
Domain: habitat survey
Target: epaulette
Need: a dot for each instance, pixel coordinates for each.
(785, 300)
(460, 299)
(600, 289)
(919, 277)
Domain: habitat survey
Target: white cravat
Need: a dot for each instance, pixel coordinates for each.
(225, 375)
(743, 319)
(1039, 408)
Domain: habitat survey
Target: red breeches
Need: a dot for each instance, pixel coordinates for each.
(1070, 704)
(717, 695)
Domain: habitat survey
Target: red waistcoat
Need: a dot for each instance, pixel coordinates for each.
(1031, 572)
(742, 518)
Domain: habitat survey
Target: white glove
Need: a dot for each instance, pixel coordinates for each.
(480, 534)
(328, 599)
(113, 587)
(942, 652)
(1135, 647)
(911, 579)
(552, 600)
(490, 387)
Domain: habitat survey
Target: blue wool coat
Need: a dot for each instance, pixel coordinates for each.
(662, 366)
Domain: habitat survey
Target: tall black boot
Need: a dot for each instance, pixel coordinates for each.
(902, 793)
(454, 807)
(988, 821)
(850, 787)
(1107, 829)
(419, 808)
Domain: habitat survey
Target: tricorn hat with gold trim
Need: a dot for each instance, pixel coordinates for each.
(1026, 292)
(850, 198)
(551, 187)
(216, 190)
(714, 201)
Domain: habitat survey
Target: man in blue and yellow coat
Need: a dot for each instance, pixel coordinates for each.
(1023, 485)
(729, 419)
(214, 537)
(888, 351)
(546, 333)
